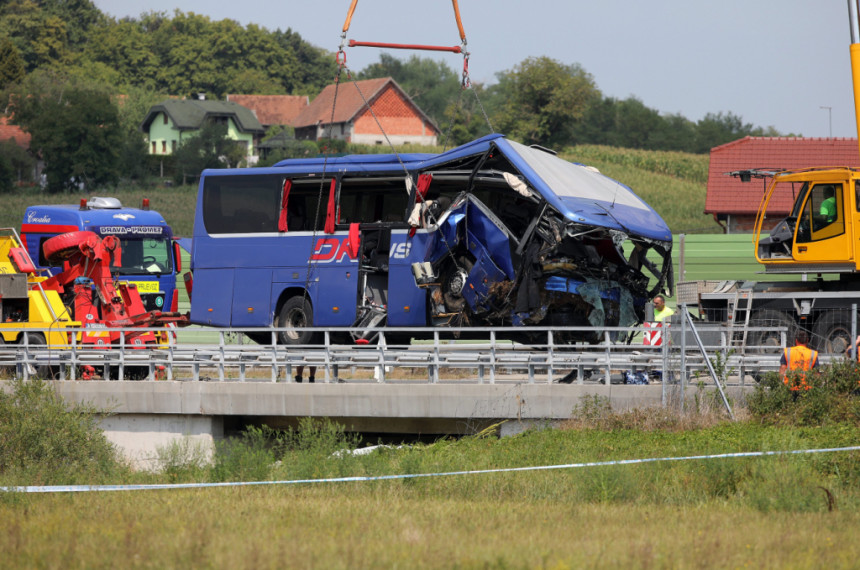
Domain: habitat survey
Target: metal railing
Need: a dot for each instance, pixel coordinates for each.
(196, 354)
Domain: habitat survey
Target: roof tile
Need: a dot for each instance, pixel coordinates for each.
(273, 109)
(13, 132)
(728, 195)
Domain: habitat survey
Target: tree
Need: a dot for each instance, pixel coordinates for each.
(714, 130)
(315, 69)
(464, 119)
(544, 101)
(16, 165)
(39, 34)
(74, 127)
(598, 123)
(635, 123)
(11, 64)
(675, 132)
(209, 148)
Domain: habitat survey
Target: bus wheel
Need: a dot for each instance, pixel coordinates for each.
(296, 313)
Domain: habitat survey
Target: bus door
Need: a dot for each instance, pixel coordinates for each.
(373, 210)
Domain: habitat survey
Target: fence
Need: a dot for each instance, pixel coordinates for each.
(621, 356)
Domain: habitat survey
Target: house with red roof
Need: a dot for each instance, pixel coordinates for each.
(13, 133)
(734, 204)
(273, 110)
(352, 120)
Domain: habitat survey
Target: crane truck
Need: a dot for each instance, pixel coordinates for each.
(818, 243)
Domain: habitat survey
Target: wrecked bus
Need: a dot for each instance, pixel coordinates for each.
(492, 233)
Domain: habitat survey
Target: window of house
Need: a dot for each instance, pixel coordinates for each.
(163, 147)
(172, 146)
(164, 117)
(153, 147)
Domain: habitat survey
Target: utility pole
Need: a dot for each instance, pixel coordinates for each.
(829, 118)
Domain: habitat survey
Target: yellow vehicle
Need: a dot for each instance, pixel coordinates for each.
(819, 241)
(25, 306)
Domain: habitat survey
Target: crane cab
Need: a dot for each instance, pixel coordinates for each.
(822, 230)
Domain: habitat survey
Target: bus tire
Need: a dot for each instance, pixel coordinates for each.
(296, 312)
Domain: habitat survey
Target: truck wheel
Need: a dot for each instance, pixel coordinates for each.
(37, 341)
(296, 312)
(6, 371)
(60, 248)
(832, 332)
(770, 341)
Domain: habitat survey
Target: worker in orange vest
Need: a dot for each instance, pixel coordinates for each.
(798, 358)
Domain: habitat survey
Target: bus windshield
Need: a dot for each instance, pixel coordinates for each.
(144, 256)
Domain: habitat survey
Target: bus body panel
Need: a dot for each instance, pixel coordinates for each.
(252, 290)
(211, 302)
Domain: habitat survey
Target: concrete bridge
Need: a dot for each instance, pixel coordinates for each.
(147, 415)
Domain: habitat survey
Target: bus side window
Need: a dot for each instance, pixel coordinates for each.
(297, 214)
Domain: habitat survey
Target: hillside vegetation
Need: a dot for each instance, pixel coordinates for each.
(673, 183)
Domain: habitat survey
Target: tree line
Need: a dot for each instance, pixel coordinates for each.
(80, 83)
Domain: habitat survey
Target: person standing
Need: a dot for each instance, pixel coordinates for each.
(311, 374)
(796, 361)
(661, 311)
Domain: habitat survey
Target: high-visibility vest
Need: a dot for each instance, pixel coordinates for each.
(799, 358)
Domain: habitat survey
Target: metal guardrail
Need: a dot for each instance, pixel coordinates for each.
(227, 355)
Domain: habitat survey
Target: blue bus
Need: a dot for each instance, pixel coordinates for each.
(492, 233)
(150, 257)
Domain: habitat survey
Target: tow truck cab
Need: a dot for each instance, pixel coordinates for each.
(150, 257)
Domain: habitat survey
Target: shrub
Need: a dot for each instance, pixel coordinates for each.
(834, 396)
(44, 440)
(249, 457)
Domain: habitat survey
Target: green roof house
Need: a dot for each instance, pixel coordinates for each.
(171, 122)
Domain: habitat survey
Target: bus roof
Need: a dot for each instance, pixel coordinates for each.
(582, 194)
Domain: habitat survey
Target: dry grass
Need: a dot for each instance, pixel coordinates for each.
(703, 411)
(389, 526)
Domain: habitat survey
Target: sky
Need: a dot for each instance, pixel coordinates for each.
(778, 63)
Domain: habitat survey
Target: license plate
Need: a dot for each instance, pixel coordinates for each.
(146, 286)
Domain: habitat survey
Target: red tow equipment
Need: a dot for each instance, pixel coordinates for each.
(98, 300)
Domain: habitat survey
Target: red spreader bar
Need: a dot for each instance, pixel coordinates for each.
(452, 49)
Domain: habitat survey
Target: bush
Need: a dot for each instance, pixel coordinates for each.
(833, 397)
(44, 440)
(249, 457)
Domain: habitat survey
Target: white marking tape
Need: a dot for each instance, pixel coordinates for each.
(86, 488)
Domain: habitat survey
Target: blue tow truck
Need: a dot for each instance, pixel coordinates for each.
(150, 256)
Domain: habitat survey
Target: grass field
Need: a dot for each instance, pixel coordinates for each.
(787, 510)
(387, 526)
(768, 512)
